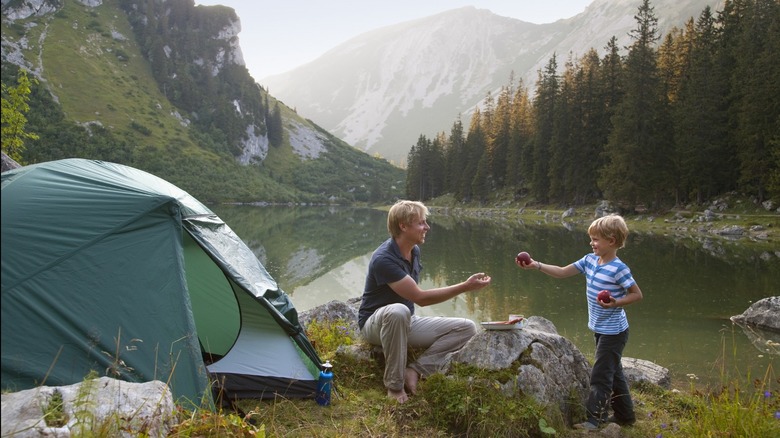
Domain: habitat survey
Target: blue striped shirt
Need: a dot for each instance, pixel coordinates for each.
(615, 277)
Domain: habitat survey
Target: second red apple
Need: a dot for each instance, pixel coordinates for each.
(524, 258)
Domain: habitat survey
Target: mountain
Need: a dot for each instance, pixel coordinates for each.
(381, 90)
(161, 85)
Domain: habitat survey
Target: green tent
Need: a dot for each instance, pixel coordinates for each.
(110, 269)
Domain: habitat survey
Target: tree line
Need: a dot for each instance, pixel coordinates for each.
(678, 119)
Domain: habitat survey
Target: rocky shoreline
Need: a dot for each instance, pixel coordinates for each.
(723, 218)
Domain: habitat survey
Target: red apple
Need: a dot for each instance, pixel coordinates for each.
(604, 296)
(524, 258)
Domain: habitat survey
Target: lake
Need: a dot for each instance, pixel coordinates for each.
(691, 286)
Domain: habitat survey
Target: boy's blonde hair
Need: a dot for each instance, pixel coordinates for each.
(612, 226)
(405, 212)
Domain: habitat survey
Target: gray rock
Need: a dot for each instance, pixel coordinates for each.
(130, 409)
(361, 352)
(731, 230)
(331, 312)
(549, 367)
(640, 370)
(541, 324)
(611, 430)
(9, 163)
(27, 9)
(761, 324)
(764, 314)
(605, 208)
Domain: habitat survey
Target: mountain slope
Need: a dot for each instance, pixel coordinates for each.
(379, 91)
(179, 104)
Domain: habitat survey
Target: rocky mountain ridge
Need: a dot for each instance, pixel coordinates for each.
(381, 90)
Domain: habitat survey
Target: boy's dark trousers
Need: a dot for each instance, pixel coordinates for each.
(608, 384)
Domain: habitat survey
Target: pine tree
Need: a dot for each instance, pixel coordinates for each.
(591, 132)
(501, 135)
(673, 59)
(638, 168)
(565, 128)
(414, 170)
(480, 183)
(673, 66)
(475, 146)
(435, 166)
(545, 107)
(425, 170)
(487, 154)
(612, 75)
(704, 157)
(518, 163)
(274, 126)
(455, 159)
(772, 49)
(755, 86)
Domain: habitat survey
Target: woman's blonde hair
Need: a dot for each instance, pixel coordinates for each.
(612, 226)
(405, 212)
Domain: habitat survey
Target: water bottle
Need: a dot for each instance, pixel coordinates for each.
(324, 384)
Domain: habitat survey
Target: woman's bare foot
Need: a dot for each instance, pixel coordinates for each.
(410, 380)
(398, 395)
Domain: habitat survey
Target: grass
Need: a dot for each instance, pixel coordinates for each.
(109, 80)
(734, 410)
(54, 412)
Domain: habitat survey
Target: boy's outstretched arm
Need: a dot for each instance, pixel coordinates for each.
(551, 270)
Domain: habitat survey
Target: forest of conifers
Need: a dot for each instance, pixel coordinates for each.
(680, 118)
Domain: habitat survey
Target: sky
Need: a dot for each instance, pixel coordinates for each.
(280, 35)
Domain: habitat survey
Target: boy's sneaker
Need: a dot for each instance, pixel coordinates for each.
(586, 425)
(612, 419)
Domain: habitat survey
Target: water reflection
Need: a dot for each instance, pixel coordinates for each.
(319, 254)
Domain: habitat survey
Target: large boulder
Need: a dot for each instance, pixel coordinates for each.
(549, 367)
(119, 408)
(333, 311)
(764, 314)
(761, 324)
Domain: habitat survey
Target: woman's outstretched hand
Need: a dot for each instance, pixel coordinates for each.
(478, 281)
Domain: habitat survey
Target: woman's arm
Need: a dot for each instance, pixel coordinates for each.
(410, 290)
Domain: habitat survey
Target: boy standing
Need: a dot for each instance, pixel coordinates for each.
(604, 271)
